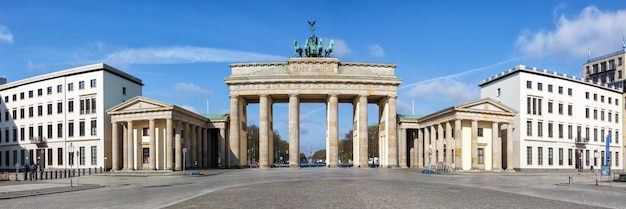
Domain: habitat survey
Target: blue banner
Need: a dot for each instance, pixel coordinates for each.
(608, 150)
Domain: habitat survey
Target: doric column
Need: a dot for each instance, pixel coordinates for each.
(264, 140)
(392, 132)
(187, 144)
(403, 148)
(440, 140)
(419, 144)
(474, 145)
(131, 148)
(198, 149)
(361, 159)
(223, 147)
(496, 158)
(233, 137)
(509, 147)
(115, 147)
(458, 144)
(427, 147)
(433, 145)
(169, 157)
(152, 157)
(333, 131)
(449, 145)
(124, 160)
(294, 131)
(178, 147)
(193, 155)
(204, 157)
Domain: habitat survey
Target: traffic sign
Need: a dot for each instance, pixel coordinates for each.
(184, 150)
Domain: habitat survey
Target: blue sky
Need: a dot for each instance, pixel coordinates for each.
(181, 50)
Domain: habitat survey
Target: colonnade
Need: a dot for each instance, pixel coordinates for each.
(165, 145)
(445, 141)
(387, 126)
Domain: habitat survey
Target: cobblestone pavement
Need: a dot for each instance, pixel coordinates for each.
(326, 188)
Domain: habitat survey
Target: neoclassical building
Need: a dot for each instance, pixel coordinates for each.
(153, 135)
(470, 136)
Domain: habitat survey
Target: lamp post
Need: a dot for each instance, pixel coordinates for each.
(595, 160)
(71, 159)
(105, 165)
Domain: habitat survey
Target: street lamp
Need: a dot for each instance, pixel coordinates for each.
(595, 160)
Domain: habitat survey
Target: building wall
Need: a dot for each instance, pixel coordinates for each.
(65, 88)
(524, 137)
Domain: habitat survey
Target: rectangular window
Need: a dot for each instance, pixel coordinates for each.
(93, 105)
(616, 137)
(49, 109)
(586, 112)
(93, 83)
(59, 107)
(60, 156)
(87, 106)
(586, 95)
(49, 132)
(6, 159)
(39, 92)
(560, 90)
(549, 87)
(39, 110)
(601, 98)
(21, 95)
(31, 112)
(595, 114)
(15, 133)
(609, 116)
(81, 128)
(529, 155)
(70, 129)
(94, 130)
(81, 158)
(14, 114)
(59, 88)
(529, 128)
(602, 115)
(539, 106)
(528, 105)
(595, 97)
(540, 129)
(550, 132)
(21, 112)
(529, 84)
(534, 106)
(59, 130)
(560, 109)
(49, 90)
(540, 155)
(30, 94)
(549, 107)
(50, 156)
(587, 132)
(616, 159)
(569, 91)
(569, 109)
(94, 155)
(82, 106)
(569, 157)
(70, 87)
(22, 134)
(616, 118)
(480, 132)
(609, 100)
(560, 156)
(146, 156)
(550, 156)
(602, 135)
(569, 131)
(123, 90)
(81, 85)
(540, 86)
(481, 156)
(70, 106)
(560, 131)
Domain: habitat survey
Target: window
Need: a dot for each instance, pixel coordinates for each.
(609, 100)
(59, 88)
(30, 94)
(6, 115)
(586, 112)
(81, 85)
(587, 132)
(82, 156)
(602, 135)
(30, 132)
(560, 90)
(601, 98)
(602, 115)
(587, 95)
(123, 90)
(70, 106)
(49, 131)
(481, 156)
(146, 131)
(616, 101)
(560, 156)
(70, 87)
(21, 95)
(539, 155)
(480, 132)
(569, 109)
(15, 133)
(6, 99)
(498, 92)
(94, 130)
(529, 128)
(616, 159)
(21, 112)
(569, 131)
(14, 97)
(146, 155)
(616, 137)
(31, 111)
(87, 106)
(39, 92)
(569, 91)
(70, 129)
(616, 118)
(540, 129)
(82, 106)
(595, 134)
(595, 114)
(549, 106)
(560, 109)
(81, 128)
(549, 87)
(550, 156)
(595, 97)
(92, 83)
(49, 90)
(60, 130)
(14, 114)
(94, 155)
(59, 107)
(529, 84)
(93, 105)
(550, 134)
(569, 157)
(610, 116)
(39, 110)
(540, 86)
(49, 156)
(560, 131)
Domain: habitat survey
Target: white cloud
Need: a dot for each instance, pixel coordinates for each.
(376, 50)
(341, 48)
(192, 89)
(5, 34)
(600, 31)
(450, 90)
(187, 54)
(190, 108)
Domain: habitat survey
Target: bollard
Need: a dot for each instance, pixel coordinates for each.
(41, 175)
(83, 171)
(571, 181)
(25, 175)
(56, 175)
(47, 174)
(89, 171)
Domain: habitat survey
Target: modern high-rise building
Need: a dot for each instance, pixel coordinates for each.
(562, 121)
(59, 119)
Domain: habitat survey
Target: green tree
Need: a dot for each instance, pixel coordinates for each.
(319, 155)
